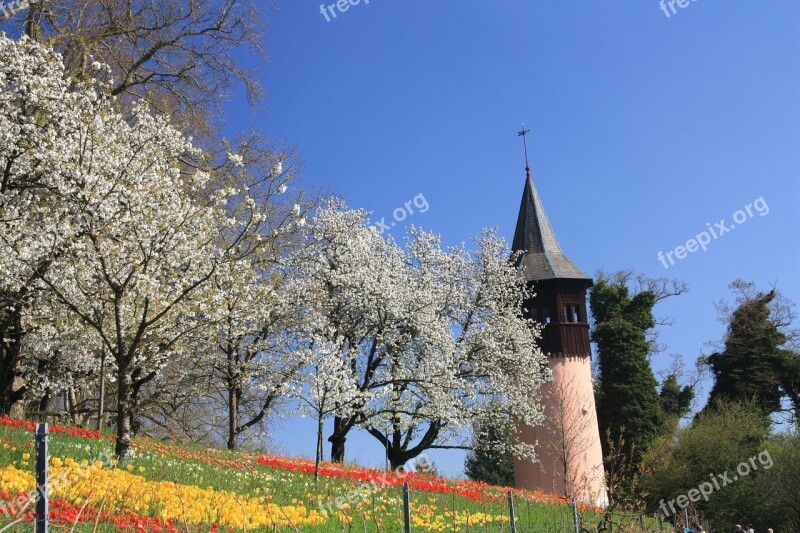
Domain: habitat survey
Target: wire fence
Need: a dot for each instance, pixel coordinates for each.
(395, 509)
(423, 511)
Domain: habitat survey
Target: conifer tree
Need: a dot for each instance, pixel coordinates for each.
(490, 461)
(676, 401)
(628, 404)
(756, 363)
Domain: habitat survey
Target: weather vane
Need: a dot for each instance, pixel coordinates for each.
(524, 134)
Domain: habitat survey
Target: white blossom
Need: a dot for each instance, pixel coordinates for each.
(99, 210)
(236, 159)
(433, 337)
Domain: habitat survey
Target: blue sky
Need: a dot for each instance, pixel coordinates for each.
(643, 129)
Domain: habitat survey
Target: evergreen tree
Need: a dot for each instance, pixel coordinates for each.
(754, 364)
(676, 401)
(425, 465)
(792, 386)
(628, 405)
(490, 460)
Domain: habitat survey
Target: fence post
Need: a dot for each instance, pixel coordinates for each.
(42, 511)
(511, 512)
(575, 515)
(406, 509)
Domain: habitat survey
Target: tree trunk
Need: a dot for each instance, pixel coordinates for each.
(71, 405)
(102, 401)
(136, 422)
(123, 413)
(234, 396)
(399, 454)
(320, 430)
(17, 409)
(396, 453)
(46, 402)
(233, 417)
(11, 334)
(337, 440)
(395, 459)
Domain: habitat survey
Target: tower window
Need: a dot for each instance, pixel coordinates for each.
(572, 313)
(546, 315)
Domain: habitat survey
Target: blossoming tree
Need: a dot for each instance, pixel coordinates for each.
(249, 361)
(433, 337)
(104, 212)
(43, 177)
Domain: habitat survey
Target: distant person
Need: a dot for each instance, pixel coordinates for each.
(750, 528)
(770, 530)
(737, 529)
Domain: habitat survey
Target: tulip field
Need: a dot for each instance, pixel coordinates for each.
(167, 487)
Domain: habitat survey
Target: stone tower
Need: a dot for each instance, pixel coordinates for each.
(569, 446)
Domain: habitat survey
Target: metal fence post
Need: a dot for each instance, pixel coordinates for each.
(511, 512)
(406, 509)
(42, 511)
(575, 515)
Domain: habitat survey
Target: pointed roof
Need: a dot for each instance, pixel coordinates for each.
(542, 257)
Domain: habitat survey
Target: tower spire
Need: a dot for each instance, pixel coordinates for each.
(558, 304)
(524, 133)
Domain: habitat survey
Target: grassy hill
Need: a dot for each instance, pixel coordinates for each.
(166, 487)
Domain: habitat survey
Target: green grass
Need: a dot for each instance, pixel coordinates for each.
(370, 508)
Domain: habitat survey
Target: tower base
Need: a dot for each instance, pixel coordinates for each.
(568, 442)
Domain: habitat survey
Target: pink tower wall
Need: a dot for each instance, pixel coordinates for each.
(570, 435)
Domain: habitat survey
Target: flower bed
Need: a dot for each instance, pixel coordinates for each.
(93, 487)
(172, 487)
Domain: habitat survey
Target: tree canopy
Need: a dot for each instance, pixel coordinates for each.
(629, 408)
(757, 362)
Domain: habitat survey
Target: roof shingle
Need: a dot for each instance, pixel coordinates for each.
(542, 257)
